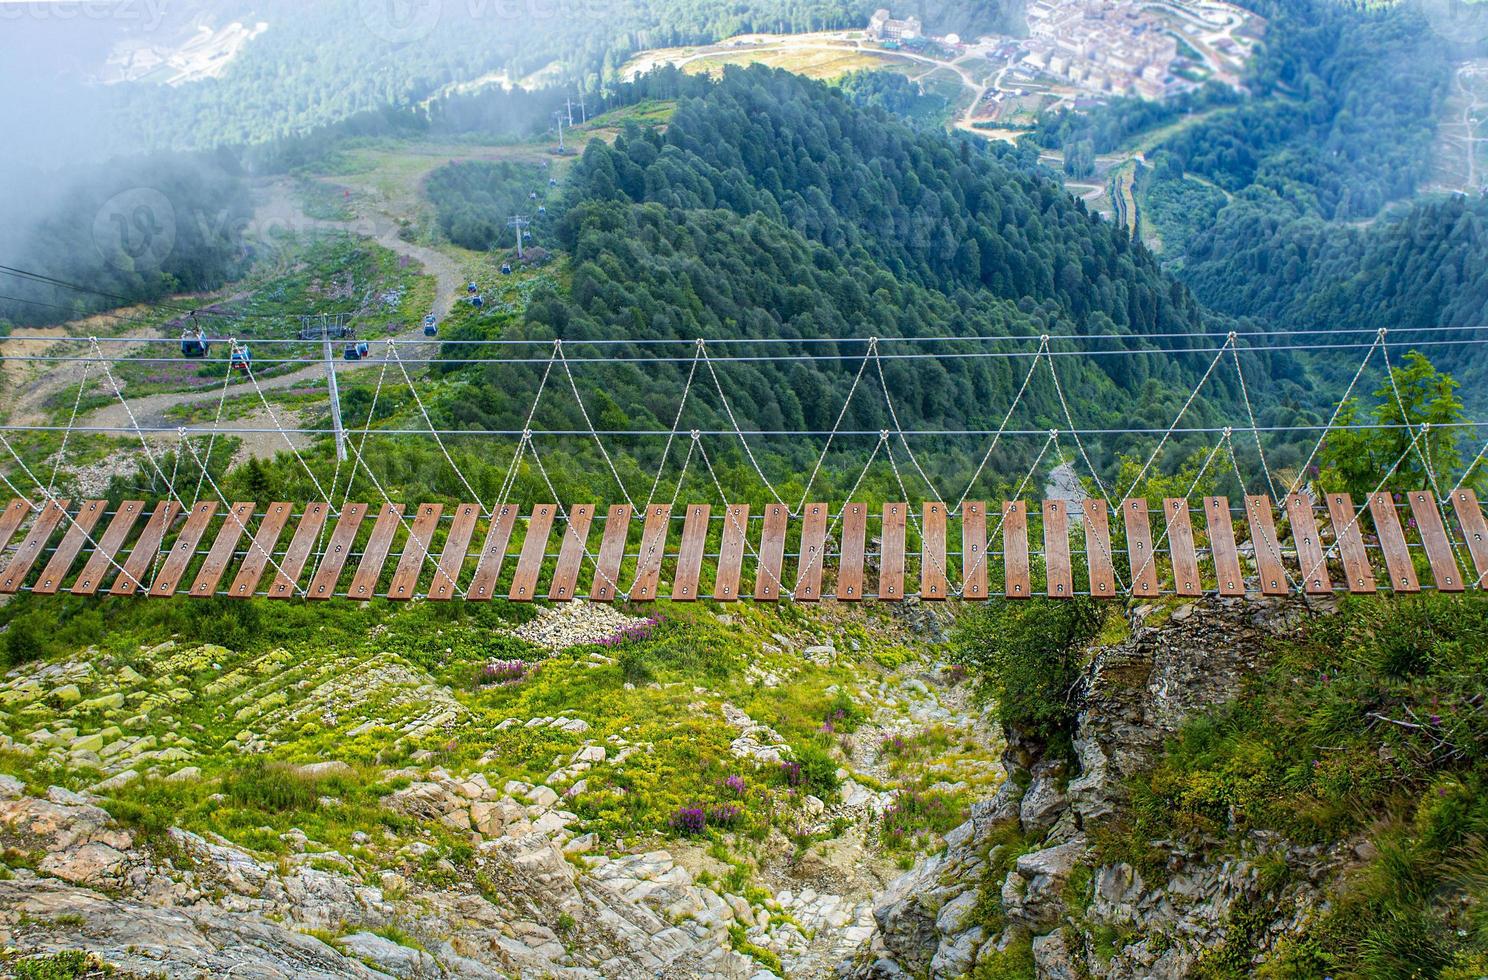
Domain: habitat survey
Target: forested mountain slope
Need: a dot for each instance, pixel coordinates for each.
(771, 207)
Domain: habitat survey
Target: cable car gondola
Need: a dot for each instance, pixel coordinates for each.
(194, 343)
(506, 268)
(478, 302)
(431, 326)
(472, 289)
(241, 360)
(356, 351)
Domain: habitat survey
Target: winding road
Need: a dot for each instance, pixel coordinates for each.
(277, 211)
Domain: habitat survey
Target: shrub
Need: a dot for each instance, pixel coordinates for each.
(269, 786)
(1026, 656)
(690, 820)
(817, 771)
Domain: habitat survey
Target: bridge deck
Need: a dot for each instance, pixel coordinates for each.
(1388, 543)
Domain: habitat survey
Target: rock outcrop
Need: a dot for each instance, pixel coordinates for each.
(1014, 870)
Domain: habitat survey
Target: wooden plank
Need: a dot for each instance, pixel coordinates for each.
(1433, 533)
(1098, 549)
(690, 555)
(214, 566)
(813, 554)
(1310, 558)
(653, 550)
(404, 585)
(606, 585)
(1262, 520)
(534, 550)
(731, 552)
(974, 550)
(456, 549)
(184, 549)
(374, 556)
(571, 553)
(90, 579)
(1017, 581)
(891, 557)
(11, 519)
(77, 535)
(338, 550)
(1345, 521)
(854, 542)
(767, 582)
(1139, 554)
(1391, 536)
(1181, 550)
(1474, 530)
(132, 576)
(250, 573)
(934, 582)
(32, 546)
(482, 586)
(1059, 571)
(1222, 545)
(298, 552)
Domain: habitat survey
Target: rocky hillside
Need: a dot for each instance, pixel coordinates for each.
(1250, 788)
(1228, 788)
(580, 805)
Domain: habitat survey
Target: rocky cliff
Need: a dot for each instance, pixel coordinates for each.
(1025, 887)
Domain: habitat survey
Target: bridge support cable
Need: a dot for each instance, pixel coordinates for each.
(1223, 443)
(899, 429)
(72, 421)
(51, 499)
(1142, 474)
(232, 515)
(729, 512)
(419, 401)
(216, 423)
(992, 447)
(170, 485)
(563, 514)
(274, 418)
(598, 442)
(513, 469)
(837, 425)
(413, 539)
(1379, 338)
(820, 556)
(1338, 534)
(1103, 543)
(1254, 428)
(734, 421)
(672, 433)
(1002, 511)
(1423, 445)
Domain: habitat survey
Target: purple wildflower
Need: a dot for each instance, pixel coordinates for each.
(504, 672)
(724, 814)
(689, 820)
(735, 784)
(792, 773)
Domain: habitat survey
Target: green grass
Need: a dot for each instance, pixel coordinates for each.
(1370, 724)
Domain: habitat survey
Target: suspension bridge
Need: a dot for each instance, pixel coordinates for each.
(1277, 538)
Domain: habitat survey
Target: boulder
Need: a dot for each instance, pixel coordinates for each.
(386, 955)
